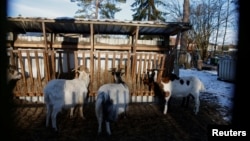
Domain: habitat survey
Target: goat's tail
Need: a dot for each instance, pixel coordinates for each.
(46, 98)
(203, 88)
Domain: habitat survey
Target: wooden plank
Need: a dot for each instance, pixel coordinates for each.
(136, 38)
(149, 61)
(106, 67)
(40, 87)
(46, 69)
(124, 47)
(11, 59)
(121, 65)
(134, 59)
(128, 67)
(68, 63)
(24, 86)
(99, 69)
(113, 61)
(139, 74)
(144, 68)
(91, 54)
(44, 36)
(83, 59)
(30, 85)
(60, 64)
(151, 48)
(113, 47)
(76, 63)
(162, 67)
(53, 59)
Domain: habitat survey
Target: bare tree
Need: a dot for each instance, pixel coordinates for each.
(226, 24)
(174, 10)
(184, 35)
(209, 19)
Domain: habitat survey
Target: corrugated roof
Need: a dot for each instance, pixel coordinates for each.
(100, 26)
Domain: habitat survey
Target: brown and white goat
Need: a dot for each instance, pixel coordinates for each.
(178, 87)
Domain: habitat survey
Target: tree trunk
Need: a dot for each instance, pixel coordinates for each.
(184, 36)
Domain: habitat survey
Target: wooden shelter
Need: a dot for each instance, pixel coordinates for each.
(65, 43)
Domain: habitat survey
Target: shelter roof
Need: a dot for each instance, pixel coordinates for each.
(100, 26)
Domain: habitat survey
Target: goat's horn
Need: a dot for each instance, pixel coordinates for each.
(112, 69)
(77, 68)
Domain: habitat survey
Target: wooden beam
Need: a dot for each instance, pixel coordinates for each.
(176, 55)
(134, 44)
(44, 36)
(135, 39)
(91, 55)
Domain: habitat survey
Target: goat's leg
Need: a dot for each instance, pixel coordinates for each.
(71, 112)
(197, 105)
(165, 107)
(167, 97)
(184, 101)
(48, 114)
(53, 118)
(108, 128)
(99, 125)
(81, 112)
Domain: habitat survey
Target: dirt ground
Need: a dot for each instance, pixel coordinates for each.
(145, 122)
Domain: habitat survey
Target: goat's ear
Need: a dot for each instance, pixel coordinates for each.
(112, 70)
(122, 73)
(173, 77)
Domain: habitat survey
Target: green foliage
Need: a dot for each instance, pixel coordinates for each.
(147, 10)
(97, 8)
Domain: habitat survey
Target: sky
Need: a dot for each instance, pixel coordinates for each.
(65, 8)
(221, 92)
(55, 8)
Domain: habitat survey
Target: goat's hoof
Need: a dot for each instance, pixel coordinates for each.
(83, 117)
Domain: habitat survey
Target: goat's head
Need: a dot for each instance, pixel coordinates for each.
(149, 78)
(12, 73)
(117, 73)
(151, 75)
(83, 73)
(173, 77)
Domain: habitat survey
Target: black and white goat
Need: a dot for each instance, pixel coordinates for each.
(12, 73)
(112, 100)
(183, 87)
(62, 93)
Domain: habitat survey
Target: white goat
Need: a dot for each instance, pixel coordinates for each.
(112, 100)
(173, 86)
(62, 93)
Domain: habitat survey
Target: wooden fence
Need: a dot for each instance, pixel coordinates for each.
(40, 66)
